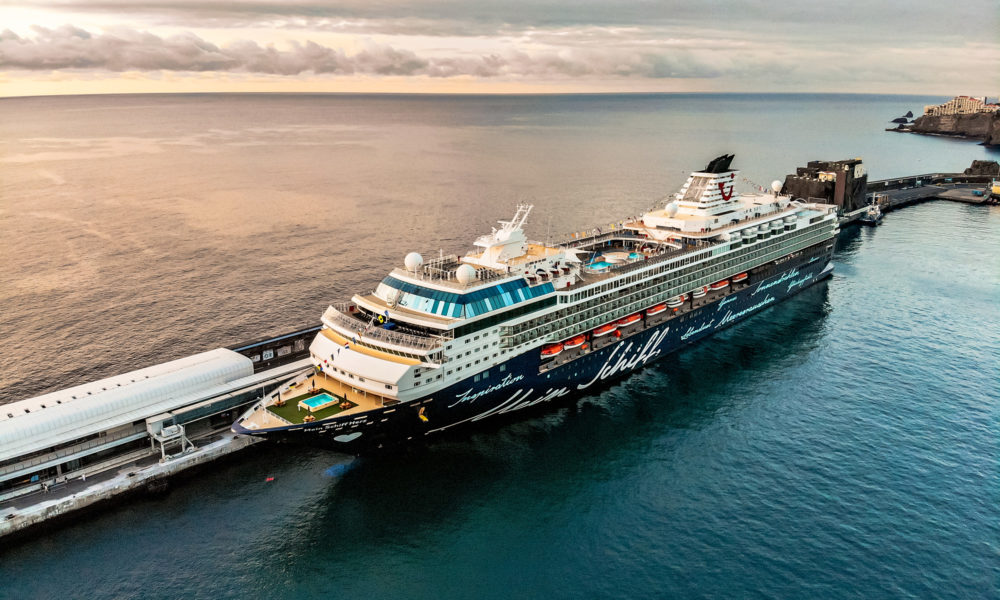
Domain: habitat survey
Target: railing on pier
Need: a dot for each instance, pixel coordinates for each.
(339, 314)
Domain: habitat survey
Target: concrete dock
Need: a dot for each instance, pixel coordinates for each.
(93, 443)
(892, 194)
(147, 475)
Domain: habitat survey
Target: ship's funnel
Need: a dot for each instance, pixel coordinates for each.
(720, 164)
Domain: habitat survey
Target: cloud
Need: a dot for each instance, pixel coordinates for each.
(820, 21)
(124, 49)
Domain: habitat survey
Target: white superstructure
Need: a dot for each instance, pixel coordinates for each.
(431, 324)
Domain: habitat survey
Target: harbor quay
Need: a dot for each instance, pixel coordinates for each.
(92, 444)
(89, 444)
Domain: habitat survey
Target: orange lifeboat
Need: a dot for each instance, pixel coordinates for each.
(575, 342)
(605, 329)
(552, 350)
(676, 301)
(718, 285)
(655, 310)
(700, 292)
(629, 320)
(739, 277)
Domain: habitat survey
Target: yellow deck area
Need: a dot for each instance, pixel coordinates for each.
(534, 252)
(365, 401)
(324, 383)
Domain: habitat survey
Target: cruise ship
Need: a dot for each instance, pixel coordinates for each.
(449, 341)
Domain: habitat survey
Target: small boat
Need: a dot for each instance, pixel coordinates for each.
(575, 342)
(739, 277)
(605, 329)
(676, 301)
(718, 285)
(700, 292)
(629, 320)
(872, 216)
(655, 310)
(552, 350)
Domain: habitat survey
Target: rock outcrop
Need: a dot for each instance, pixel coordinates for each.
(989, 168)
(993, 134)
(980, 126)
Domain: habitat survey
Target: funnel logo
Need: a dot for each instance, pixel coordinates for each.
(722, 188)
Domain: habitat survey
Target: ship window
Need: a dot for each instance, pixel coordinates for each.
(476, 378)
(486, 374)
(503, 368)
(388, 387)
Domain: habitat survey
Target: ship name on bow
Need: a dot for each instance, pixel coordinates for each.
(469, 395)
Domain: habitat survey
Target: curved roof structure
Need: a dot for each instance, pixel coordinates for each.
(51, 419)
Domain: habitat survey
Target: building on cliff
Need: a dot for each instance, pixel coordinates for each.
(841, 182)
(961, 105)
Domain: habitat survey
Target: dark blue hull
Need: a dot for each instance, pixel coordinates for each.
(528, 381)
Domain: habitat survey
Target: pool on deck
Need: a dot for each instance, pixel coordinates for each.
(597, 266)
(318, 402)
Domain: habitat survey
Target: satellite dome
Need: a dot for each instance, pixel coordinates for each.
(413, 261)
(776, 186)
(465, 274)
(670, 209)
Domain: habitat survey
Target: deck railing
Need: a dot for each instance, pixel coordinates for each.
(338, 314)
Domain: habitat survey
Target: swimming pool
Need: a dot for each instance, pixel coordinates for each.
(635, 255)
(599, 265)
(317, 402)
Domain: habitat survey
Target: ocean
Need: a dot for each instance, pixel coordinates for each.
(842, 444)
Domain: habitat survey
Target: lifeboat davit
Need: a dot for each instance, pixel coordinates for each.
(718, 285)
(629, 320)
(655, 310)
(552, 350)
(605, 329)
(739, 277)
(700, 292)
(575, 342)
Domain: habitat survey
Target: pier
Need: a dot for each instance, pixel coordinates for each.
(98, 442)
(891, 194)
(845, 184)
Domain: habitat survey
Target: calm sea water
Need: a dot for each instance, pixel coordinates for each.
(843, 444)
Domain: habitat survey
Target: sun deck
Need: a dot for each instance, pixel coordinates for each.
(285, 409)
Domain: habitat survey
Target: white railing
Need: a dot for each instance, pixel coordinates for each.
(372, 331)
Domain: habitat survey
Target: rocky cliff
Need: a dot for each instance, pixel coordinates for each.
(980, 126)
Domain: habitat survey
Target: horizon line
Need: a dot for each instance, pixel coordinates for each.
(473, 94)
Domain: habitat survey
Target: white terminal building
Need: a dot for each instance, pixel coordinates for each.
(148, 415)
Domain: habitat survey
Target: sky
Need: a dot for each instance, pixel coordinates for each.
(499, 46)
